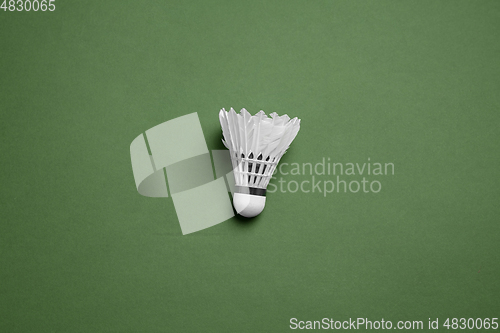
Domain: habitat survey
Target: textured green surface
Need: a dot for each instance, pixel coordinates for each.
(415, 83)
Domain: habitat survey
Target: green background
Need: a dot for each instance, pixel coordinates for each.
(415, 83)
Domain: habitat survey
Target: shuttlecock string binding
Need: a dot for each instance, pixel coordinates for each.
(254, 172)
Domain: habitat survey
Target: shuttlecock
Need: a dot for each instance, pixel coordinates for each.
(256, 144)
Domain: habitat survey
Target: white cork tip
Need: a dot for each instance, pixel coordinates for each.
(248, 205)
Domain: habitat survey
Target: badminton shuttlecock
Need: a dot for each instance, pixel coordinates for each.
(256, 144)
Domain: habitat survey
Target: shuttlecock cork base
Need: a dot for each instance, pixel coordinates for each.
(256, 144)
(249, 201)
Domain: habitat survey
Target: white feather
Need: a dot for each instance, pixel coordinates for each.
(256, 143)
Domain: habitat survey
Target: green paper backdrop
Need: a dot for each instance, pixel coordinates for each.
(413, 83)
